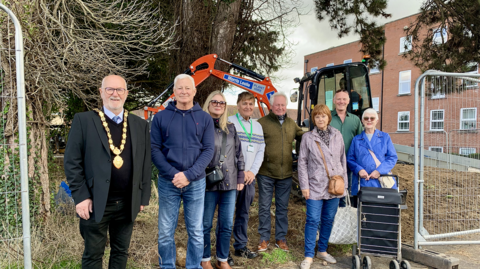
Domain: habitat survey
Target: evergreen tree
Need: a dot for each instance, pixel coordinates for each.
(445, 34)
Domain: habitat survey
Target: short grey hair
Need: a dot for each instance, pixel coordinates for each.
(278, 94)
(370, 111)
(103, 81)
(182, 76)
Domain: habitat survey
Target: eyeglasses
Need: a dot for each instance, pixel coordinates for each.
(369, 118)
(218, 103)
(110, 90)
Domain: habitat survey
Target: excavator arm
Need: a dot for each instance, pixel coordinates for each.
(260, 86)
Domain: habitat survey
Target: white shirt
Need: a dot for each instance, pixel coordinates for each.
(253, 159)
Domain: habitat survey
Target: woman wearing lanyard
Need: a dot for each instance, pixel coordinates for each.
(250, 133)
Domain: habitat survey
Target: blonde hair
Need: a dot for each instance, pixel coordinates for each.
(223, 117)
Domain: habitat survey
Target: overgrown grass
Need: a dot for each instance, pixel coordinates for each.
(339, 250)
(57, 243)
(277, 256)
(70, 264)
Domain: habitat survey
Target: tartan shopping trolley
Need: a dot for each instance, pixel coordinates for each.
(379, 226)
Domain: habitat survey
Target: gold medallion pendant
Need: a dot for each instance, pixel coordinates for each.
(117, 161)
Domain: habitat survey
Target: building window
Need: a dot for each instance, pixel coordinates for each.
(405, 78)
(440, 35)
(436, 120)
(437, 86)
(404, 121)
(467, 151)
(376, 103)
(468, 118)
(375, 68)
(330, 64)
(405, 44)
(347, 61)
(436, 149)
(313, 69)
(438, 91)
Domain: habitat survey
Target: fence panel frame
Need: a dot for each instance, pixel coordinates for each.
(22, 135)
(420, 234)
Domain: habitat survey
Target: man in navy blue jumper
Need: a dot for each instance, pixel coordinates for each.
(182, 146)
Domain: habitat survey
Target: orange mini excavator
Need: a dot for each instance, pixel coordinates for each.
(261, 86)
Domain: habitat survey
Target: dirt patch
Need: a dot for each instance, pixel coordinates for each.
(443, 199)
(406, 177)
(451, 200)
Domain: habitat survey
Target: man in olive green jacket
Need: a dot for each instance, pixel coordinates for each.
(276, 171)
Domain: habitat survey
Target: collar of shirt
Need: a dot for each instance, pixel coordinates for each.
(334, 113)
(244, 120)
(110, 114)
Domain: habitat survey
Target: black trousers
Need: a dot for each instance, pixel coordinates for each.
(117, 221)
(244, 201)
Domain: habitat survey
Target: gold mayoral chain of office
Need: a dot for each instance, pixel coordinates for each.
(117, 161)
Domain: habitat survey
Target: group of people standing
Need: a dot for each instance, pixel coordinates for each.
(338, 145)
(107, 164)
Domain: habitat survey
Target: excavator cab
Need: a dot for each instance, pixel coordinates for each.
(320, 87)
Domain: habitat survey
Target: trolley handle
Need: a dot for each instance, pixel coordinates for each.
(403, 192)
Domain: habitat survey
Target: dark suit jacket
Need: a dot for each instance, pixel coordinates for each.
(88, 162)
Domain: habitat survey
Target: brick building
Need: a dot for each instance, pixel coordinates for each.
(447, 114)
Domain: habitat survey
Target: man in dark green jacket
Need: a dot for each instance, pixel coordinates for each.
(276, 171)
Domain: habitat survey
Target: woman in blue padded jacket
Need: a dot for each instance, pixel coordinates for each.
(371, 154)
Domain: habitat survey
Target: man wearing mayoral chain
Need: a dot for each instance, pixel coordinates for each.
(108, 167)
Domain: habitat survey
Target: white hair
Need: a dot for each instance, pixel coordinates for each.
(182, 76)
(370, 111)
(278, 94)
(103, 81)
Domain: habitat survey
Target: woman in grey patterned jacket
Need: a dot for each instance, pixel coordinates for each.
(223, 194)
(321, 205)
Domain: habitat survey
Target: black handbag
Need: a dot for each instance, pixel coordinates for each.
(215, 175)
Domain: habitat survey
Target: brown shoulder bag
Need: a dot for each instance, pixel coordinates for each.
(336, 184)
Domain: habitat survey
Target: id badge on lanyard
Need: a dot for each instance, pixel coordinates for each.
(250, 148)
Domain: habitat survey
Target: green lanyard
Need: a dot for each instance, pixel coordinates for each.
(249, 136)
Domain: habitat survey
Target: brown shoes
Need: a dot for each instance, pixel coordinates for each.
(206, 265)
(263, 246)
(222, 265)
(282, 244)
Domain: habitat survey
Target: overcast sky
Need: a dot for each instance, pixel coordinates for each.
(311, 36)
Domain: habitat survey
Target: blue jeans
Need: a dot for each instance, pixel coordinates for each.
(169, 198)
(226, 208)
(324, 211)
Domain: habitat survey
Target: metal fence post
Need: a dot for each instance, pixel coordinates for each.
(447, 187)
(22, 130)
